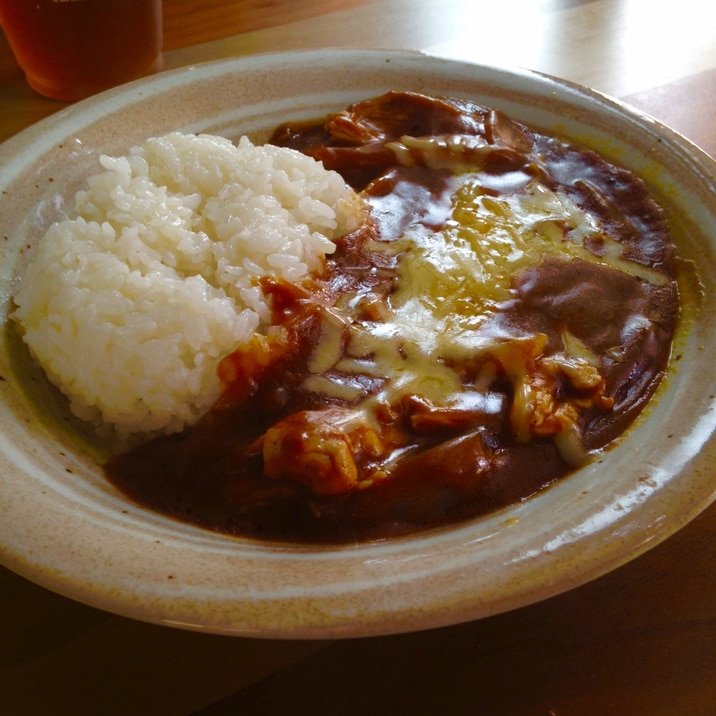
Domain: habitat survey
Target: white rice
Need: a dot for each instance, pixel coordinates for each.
(130, 304)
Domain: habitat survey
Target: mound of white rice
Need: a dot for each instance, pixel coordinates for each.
(130, 304)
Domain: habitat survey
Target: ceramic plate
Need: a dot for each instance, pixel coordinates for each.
(64, 527)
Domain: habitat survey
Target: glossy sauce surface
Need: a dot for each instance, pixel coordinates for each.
(606, 302)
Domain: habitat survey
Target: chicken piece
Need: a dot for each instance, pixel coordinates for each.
(425, 418)
(240, 371)
(537, 411)
(395, 114)
(321, 449)
(539, 407)
(295, 308)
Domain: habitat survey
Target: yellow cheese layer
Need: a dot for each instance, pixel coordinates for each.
(451, 280)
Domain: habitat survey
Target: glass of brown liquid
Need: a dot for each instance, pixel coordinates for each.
(71, 49)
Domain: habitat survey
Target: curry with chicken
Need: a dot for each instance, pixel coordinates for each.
(502, 316)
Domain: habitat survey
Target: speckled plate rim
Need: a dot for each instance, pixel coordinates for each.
(63, 527)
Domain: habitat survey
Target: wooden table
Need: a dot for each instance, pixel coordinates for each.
(641, 640)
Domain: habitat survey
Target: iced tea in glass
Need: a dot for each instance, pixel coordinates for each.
(70, 49)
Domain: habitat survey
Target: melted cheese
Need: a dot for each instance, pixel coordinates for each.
(450, 281)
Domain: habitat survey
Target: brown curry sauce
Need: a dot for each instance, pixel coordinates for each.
(212, 474)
